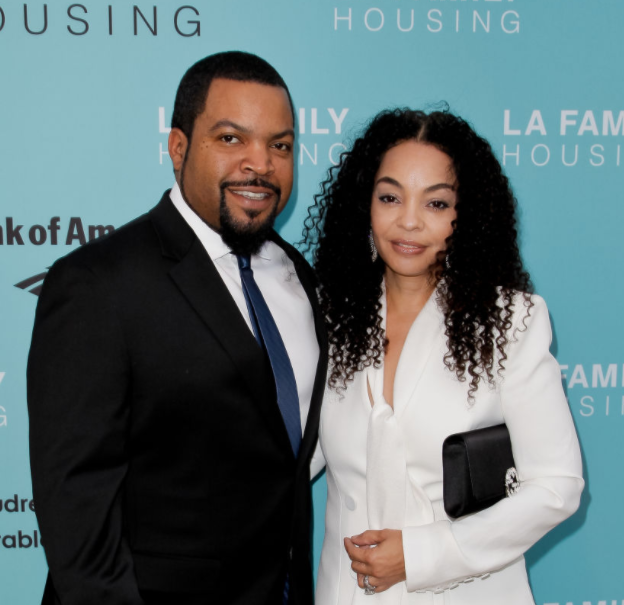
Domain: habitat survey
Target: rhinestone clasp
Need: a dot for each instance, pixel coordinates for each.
(512, 482)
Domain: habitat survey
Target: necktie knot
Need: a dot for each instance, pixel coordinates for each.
(244, 262)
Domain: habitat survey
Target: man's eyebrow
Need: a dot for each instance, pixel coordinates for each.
(289, 132)
(233, 125)
(229, 124)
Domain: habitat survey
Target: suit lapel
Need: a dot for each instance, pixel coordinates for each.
(199, 281)
(422, 338)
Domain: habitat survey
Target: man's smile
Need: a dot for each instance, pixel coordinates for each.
(251, 195)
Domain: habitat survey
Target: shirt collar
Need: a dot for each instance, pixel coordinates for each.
(210, 239)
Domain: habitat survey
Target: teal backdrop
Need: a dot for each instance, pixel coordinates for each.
(86, 94)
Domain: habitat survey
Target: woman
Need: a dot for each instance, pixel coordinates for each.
(433, 331)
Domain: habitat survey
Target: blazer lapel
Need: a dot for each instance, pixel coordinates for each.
(199, 281)
(422, 338)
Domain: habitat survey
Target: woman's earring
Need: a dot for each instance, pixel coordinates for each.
(447, 264)
(373, 248)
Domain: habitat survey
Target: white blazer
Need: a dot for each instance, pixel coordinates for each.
(384, 468)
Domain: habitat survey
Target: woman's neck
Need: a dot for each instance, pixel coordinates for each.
(407, 295)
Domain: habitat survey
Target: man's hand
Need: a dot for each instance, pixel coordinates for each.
(379, 555)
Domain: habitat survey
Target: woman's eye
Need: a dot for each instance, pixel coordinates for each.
(388, 199)
(439, 204)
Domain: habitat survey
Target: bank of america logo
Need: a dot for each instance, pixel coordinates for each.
(33, 284)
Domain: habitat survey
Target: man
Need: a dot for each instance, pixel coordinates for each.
(176, 373)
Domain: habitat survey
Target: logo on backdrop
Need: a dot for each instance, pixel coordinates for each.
(32, 284)
(568, 137)
(480, 19)
(22, 539)
(82, 19)
(595, 390)
(54, 233)
(319, 130)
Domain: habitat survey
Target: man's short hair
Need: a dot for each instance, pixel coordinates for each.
(232, 65)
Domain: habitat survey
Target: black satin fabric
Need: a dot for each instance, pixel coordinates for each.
(475, 464)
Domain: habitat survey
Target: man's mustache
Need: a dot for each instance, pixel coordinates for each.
(257, 182)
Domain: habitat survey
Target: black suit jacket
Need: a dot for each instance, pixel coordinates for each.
(162, 470)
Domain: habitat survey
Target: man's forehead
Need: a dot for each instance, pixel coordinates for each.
(246, 102)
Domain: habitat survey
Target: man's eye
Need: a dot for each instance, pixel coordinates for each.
(230, 138)
(282, 146)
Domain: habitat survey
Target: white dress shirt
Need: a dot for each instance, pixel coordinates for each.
(277, 279)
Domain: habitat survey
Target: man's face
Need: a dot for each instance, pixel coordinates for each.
(237, 171)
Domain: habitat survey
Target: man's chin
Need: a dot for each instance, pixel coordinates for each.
(249, 218)
(246, 237)
(245, 230)
(248, 225)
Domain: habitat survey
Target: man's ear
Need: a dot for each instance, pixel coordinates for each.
(178, 144)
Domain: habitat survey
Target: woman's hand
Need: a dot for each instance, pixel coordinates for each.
(377, 554)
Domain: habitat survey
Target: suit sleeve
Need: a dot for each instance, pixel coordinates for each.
(317, 463)
(548, 460)
(78, 377)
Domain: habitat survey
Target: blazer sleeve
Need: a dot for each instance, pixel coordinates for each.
(548, 460)
(78, 378)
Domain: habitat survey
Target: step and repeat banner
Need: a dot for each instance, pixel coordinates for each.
(86, 95)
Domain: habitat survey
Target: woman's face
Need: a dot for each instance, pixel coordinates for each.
(412, 208)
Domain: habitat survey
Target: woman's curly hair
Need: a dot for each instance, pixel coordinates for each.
(476, 279)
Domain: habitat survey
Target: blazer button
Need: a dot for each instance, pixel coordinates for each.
(350, 503)
(290, 553)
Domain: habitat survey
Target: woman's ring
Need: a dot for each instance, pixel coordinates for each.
(368, 587)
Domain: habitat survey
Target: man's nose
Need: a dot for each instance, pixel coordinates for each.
(258, 160)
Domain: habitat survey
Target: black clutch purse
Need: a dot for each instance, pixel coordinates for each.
(479, 470)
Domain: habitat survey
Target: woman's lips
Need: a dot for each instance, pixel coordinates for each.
(408, 247)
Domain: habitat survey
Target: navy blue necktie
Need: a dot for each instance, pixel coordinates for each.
(266, 331)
